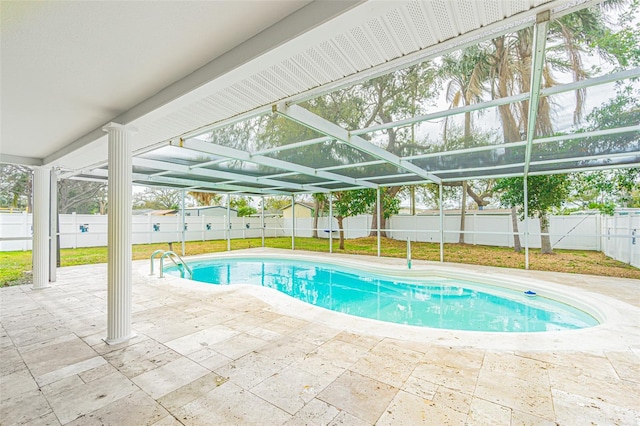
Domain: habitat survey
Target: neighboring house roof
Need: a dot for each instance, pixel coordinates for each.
(209, 208)
(301, 204)
(154, 212)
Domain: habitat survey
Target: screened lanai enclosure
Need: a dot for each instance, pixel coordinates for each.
(310, 97)
(550, 93)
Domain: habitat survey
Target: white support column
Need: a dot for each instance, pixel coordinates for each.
(119, 296)
(293, 222)
(40, 253)
(262, 221)
(378, 217)
(53, 227)
(330, 222)
(228, 222)
(441, 223)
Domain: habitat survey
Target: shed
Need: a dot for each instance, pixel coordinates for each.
(302, 209)
(217, 211)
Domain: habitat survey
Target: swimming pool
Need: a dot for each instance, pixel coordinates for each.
(431, 301)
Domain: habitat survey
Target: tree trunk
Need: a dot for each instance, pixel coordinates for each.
(545, 240)
(510, 128)
(316, 209)
(30, 194)
(463, 211)
(391, 192)
(413, 200)
(339, 219)
(517, 247)
(374, 220)
(465, 184)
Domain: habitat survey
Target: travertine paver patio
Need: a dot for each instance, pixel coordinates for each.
(244, 355)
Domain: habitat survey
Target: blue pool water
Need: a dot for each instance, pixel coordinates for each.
(430, 302)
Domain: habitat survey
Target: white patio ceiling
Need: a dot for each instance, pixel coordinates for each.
(177, 70)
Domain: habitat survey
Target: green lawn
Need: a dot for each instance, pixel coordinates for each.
(15, 266)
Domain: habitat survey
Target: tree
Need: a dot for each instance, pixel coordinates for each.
(607, 189)
(351, 203)
(544, 193)
(361, 201)
(568, 36)
(275, 204)
(206, 198)
(15, 187)
(390, 206)
(404, 93)
(623, 45)
(401, 94)
(158, 199)
(604, 190)
(73, 195)
(320, 202)
(242, 206)
(585, 30)
(465, 74)
(81, 196)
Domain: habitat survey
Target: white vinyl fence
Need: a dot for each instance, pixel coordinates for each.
(91, 230)
(616, 236)
(354, 227)
(482, 228)
(627, 249)
(495, 229)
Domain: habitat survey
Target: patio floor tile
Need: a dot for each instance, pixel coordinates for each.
(230, 404)
(517, 394)
(316, 412)
(251, 369)
(419, 387)
(290, 389)
(54, 357)
(192, 391)
(70, 398)
(135, 409)
(387, 369)
(195, 341)
(360, 396)
(20, 381)
(24, 407)
(169, 377)
(577, 409)
(487, 413)
(408, 409)
(238, 345)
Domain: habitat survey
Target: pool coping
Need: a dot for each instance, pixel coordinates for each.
(619, 328)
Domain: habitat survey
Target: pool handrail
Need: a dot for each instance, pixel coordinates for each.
(171, 255)
(153, 255)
